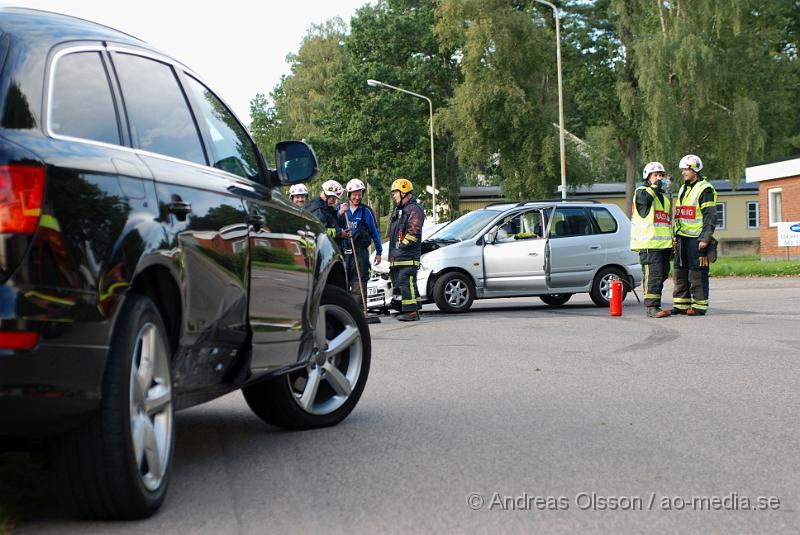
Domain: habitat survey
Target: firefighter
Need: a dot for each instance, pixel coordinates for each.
(694, 221)
(651, 235)
(405, 241)
(324, 207)
(298, 194)
(364, 229)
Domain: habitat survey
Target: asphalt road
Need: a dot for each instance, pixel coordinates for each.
(561, 420)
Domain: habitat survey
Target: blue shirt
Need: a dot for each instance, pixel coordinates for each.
(363, 216)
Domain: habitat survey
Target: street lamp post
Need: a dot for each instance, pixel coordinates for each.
(376, 83)
(560, 101)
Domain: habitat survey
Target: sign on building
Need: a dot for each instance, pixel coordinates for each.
(789, 234)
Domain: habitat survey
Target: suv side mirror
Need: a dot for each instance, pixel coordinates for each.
(296, 162)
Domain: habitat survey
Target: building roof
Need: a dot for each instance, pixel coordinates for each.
(617, 188)
(606, 189)
(480, 192)
(772, 170)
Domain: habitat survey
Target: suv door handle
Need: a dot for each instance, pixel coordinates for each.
(256, 220)
(594, 247)
(179, 207)
(533, 254)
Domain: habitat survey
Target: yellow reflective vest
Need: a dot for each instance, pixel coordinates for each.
(652, 231)
(689, 213)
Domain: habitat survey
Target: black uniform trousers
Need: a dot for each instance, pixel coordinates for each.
(405, 278)
(360, 255)
(655, 265)
(691, 275)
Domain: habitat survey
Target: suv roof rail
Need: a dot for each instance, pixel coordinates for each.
(554, 199)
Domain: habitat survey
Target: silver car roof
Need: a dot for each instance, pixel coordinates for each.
(539, 204)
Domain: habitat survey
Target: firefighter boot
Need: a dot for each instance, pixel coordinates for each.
(409, 316)
(657, 312)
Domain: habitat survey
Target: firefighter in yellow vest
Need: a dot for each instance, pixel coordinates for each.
(651, 235)
(694, 221)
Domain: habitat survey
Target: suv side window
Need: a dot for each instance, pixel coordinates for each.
(81, 104)
(605, 221)
(158, 114)
(231, 148)
(524, 226)
(569, 221)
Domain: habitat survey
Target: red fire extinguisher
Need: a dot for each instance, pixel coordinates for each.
(615, 297)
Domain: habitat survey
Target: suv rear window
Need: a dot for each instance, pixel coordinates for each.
(81, 104)
(158, 114)
(605, 221)
(571, 222)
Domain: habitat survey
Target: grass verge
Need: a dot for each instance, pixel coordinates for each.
(752, 266)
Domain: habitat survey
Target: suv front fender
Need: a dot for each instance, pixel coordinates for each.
(328, 269)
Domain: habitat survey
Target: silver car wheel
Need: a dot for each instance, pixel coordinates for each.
(605, 286)
(334, 368)
(456, 293)
(151, 406)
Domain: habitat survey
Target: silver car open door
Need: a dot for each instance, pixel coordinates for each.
(515, 253)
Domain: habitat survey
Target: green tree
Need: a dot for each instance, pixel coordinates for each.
(379, 134)
(764, 59)
(703, 76)
(693, 96)
(706, 72)
(592, 65)
(303, 97)
(501, 114)
(265, 126)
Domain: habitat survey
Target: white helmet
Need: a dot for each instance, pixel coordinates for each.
(690, 161)
(355, 185)
(332, 188)
(298, 189)
(653, 167)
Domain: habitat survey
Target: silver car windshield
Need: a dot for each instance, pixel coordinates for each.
(466, 226)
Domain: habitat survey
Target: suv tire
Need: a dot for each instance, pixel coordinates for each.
(324, 392)
(117, 465)
(600, 285)
(555, 300)
(453, 292)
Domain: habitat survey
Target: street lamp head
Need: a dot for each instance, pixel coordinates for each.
(373, 83)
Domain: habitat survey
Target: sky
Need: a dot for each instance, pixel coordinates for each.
(238, 46)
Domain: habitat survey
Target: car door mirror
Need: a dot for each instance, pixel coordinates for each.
(296, 162)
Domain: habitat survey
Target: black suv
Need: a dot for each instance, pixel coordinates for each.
(148, 263)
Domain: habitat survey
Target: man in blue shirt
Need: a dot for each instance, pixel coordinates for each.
(364, 229)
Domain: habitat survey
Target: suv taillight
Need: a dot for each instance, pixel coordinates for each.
(21, 195)
(18, 339)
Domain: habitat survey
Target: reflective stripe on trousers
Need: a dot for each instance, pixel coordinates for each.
(691, 280)
(405, 278)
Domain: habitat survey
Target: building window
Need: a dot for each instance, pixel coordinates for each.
(721, 219)
(775, 215)
(752, 214)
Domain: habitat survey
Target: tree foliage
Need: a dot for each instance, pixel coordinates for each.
(503, 111)
(380, 134)
(264, 125)
(644, 80)
(305, 95)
